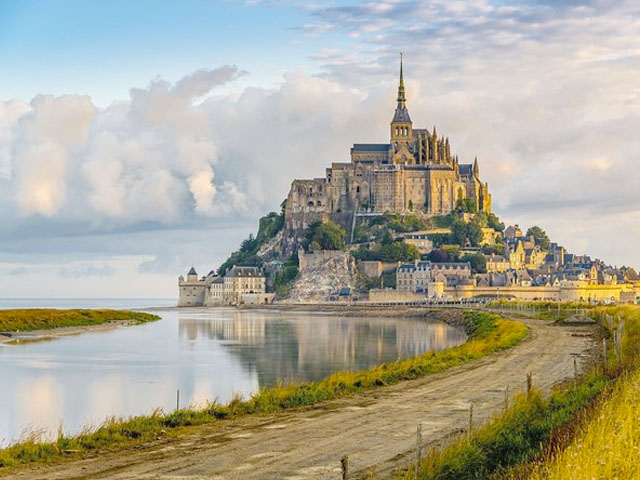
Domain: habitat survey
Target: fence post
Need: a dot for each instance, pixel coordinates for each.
(470, 418)
(418, 447)
(529, 382)
(604, 354)
(178, 399)
(575, 370)
(506, 398)
(344, 464)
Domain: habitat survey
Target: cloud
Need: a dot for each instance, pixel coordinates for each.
(88, 270)
(150, 158)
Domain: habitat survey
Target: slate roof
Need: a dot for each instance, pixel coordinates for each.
(466, 169)
(192, 272)
(370, 147)
(237, 271)
(401, 115)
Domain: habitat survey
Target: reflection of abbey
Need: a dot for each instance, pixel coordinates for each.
(414, 172)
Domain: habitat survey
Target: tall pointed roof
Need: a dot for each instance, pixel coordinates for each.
(402, 114)
(192, 271)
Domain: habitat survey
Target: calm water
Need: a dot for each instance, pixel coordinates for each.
(115, 303)
(206, 353)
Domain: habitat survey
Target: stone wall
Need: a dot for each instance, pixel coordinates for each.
(390, 295)
(311, 260)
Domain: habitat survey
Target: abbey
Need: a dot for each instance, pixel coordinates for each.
(414, 172)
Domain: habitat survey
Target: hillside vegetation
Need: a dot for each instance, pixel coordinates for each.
(43, 319)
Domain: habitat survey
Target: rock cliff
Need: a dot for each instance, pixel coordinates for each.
(321, 275)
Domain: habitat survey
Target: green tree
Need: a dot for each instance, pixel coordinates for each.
(329, 236)
(459, 232)
(474, 233)
(477, 261)
(540, 236)
(494, 222)
(439, 255)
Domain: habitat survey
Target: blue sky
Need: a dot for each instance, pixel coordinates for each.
(140, 137)
(104, 48)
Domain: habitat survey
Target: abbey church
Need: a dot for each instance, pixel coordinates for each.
(414, 173)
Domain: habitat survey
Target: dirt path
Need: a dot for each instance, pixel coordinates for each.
(376, 430)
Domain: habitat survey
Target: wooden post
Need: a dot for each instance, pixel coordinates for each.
(418, 447)
(529, 382)
(506, 398)
(178, 399)
(344, 463)
(604, 354)
(470, 418)
(575, 369)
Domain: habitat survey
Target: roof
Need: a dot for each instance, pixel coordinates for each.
(370, 147)
(466, 169)
(460, 265)
(422, 265)
(401, 115)
(192, 272)
(238, 271)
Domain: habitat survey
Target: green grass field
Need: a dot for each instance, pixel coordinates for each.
(43, 319)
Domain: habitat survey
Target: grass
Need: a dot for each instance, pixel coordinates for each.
(589, 430)
(511, 438)
(544, 310)
(487, 333)
(48, 318)
(607, 445)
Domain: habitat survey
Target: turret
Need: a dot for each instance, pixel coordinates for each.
(447, 154)
(192, 276)
(401, 125)
(434, 139)
(476, 169)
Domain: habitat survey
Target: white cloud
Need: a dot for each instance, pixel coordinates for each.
(150, 158)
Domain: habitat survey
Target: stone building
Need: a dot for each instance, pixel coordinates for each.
(240, 285)
(413, 276)
(414, 172)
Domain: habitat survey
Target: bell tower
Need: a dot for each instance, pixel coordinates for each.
(401, 125)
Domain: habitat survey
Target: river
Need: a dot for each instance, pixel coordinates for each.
(79, 381)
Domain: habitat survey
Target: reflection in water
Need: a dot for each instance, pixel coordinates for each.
(205, 353)
(310, 347)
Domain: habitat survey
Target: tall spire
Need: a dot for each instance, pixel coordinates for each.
(401, 97)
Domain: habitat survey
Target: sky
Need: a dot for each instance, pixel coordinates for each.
(140, 138)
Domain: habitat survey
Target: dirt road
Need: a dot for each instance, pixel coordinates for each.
(377, 430)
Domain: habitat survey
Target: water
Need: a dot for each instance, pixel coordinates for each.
(114, 303)
(81, 380)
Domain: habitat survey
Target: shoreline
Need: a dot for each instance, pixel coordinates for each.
(17, 338)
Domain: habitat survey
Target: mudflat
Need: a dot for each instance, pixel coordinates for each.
(375, 429)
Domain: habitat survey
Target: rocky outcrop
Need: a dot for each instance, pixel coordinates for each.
(272, 248)
(322, 275)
